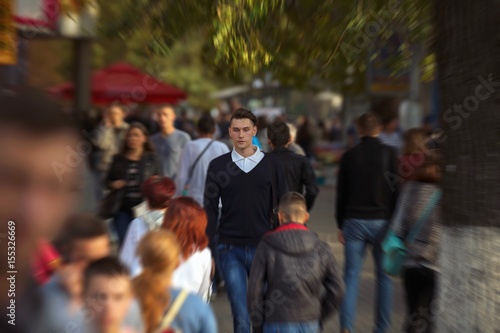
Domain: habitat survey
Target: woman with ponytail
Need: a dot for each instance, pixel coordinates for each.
(164, 307)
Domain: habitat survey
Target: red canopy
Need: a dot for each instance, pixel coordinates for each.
(123, 83)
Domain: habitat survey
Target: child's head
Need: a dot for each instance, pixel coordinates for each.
(84, 239)
(107, 292)
(292, 208)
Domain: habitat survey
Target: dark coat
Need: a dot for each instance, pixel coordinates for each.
(299, 174)
(295, 274)
(149, 165)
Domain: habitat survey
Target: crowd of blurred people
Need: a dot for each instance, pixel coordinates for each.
(178, 210)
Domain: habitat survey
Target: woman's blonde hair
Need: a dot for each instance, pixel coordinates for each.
(160, 253)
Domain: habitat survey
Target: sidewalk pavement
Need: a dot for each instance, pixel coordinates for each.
(322, 221)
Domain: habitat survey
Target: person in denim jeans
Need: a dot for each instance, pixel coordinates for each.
(365, 202)
(247, 182)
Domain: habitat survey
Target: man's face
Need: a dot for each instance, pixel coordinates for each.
(109, 298)
(166, 117)
(116, 115)
(241, 132)
(85, 251)
(32, 193)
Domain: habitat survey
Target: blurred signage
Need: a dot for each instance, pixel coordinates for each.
(381, 78)
(36, 15)
(7, 33)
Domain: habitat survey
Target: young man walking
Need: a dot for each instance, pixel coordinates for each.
(296, 272)
(248, 183)
(170, 142)
(299, 173)
(365, 203)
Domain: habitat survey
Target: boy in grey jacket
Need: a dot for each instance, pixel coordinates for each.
(294, 284)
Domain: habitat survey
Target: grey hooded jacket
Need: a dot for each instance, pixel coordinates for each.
(294, 278)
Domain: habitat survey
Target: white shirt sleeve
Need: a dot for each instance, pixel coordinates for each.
(207, 281)
(128, 255)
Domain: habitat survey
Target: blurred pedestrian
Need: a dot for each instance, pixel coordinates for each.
(160, 255)
(297, 272)
(195, 159)
(249, 184)
(38, 190)
(170, 142)
(305, 137)
(158, 192)
(109, 139)
(83, 239)
(108, 297)
(293, 146)
(185, 124)
(388, 111)
(413, 153)
(365, 203)
(298, 170)
(421, 270)
(136, 162)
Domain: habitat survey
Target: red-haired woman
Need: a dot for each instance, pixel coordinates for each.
(158, 192)
(188, 221)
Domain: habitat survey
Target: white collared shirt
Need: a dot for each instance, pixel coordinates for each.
(247, 164)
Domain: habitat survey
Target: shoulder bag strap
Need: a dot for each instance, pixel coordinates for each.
(174, 310)
(191, 169)
(431, 204)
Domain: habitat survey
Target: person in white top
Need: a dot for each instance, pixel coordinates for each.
(158, 192)
(188, 221)
(195, 158)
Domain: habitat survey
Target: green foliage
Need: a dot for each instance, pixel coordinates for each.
(296, 40)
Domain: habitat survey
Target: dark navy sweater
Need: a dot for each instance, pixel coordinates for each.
(248, 200)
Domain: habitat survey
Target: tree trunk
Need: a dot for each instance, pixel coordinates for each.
(468, 51)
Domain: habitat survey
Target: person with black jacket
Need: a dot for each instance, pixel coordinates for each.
(290, 267)
(249, 184)
(129, 169)
(366, 200)
(298, 170)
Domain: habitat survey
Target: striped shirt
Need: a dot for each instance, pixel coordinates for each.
(413, 198)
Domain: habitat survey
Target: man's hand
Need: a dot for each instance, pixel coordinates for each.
(340, 236)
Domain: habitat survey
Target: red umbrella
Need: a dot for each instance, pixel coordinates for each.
(125, 84)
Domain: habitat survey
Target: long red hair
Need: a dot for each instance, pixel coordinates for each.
(188, 221)
(160, 255)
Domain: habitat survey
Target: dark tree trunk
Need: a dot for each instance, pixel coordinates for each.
(468, 51)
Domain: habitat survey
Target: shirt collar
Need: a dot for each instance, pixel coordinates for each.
(237, 157)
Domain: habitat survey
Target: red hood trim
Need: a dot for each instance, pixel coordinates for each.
(289, 226)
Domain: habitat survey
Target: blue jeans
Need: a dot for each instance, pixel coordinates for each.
(121, 221)
(235, 263)
(300, 327)
(358, 234)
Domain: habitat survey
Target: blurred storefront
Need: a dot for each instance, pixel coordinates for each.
(26, 22)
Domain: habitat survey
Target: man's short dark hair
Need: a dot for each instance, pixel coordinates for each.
(79, 227)
(278, 133)
(292, 205)
(387, 108)
(242, 113)
(206, 124)
(108, 266)
(33, 111)
(368, 123)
